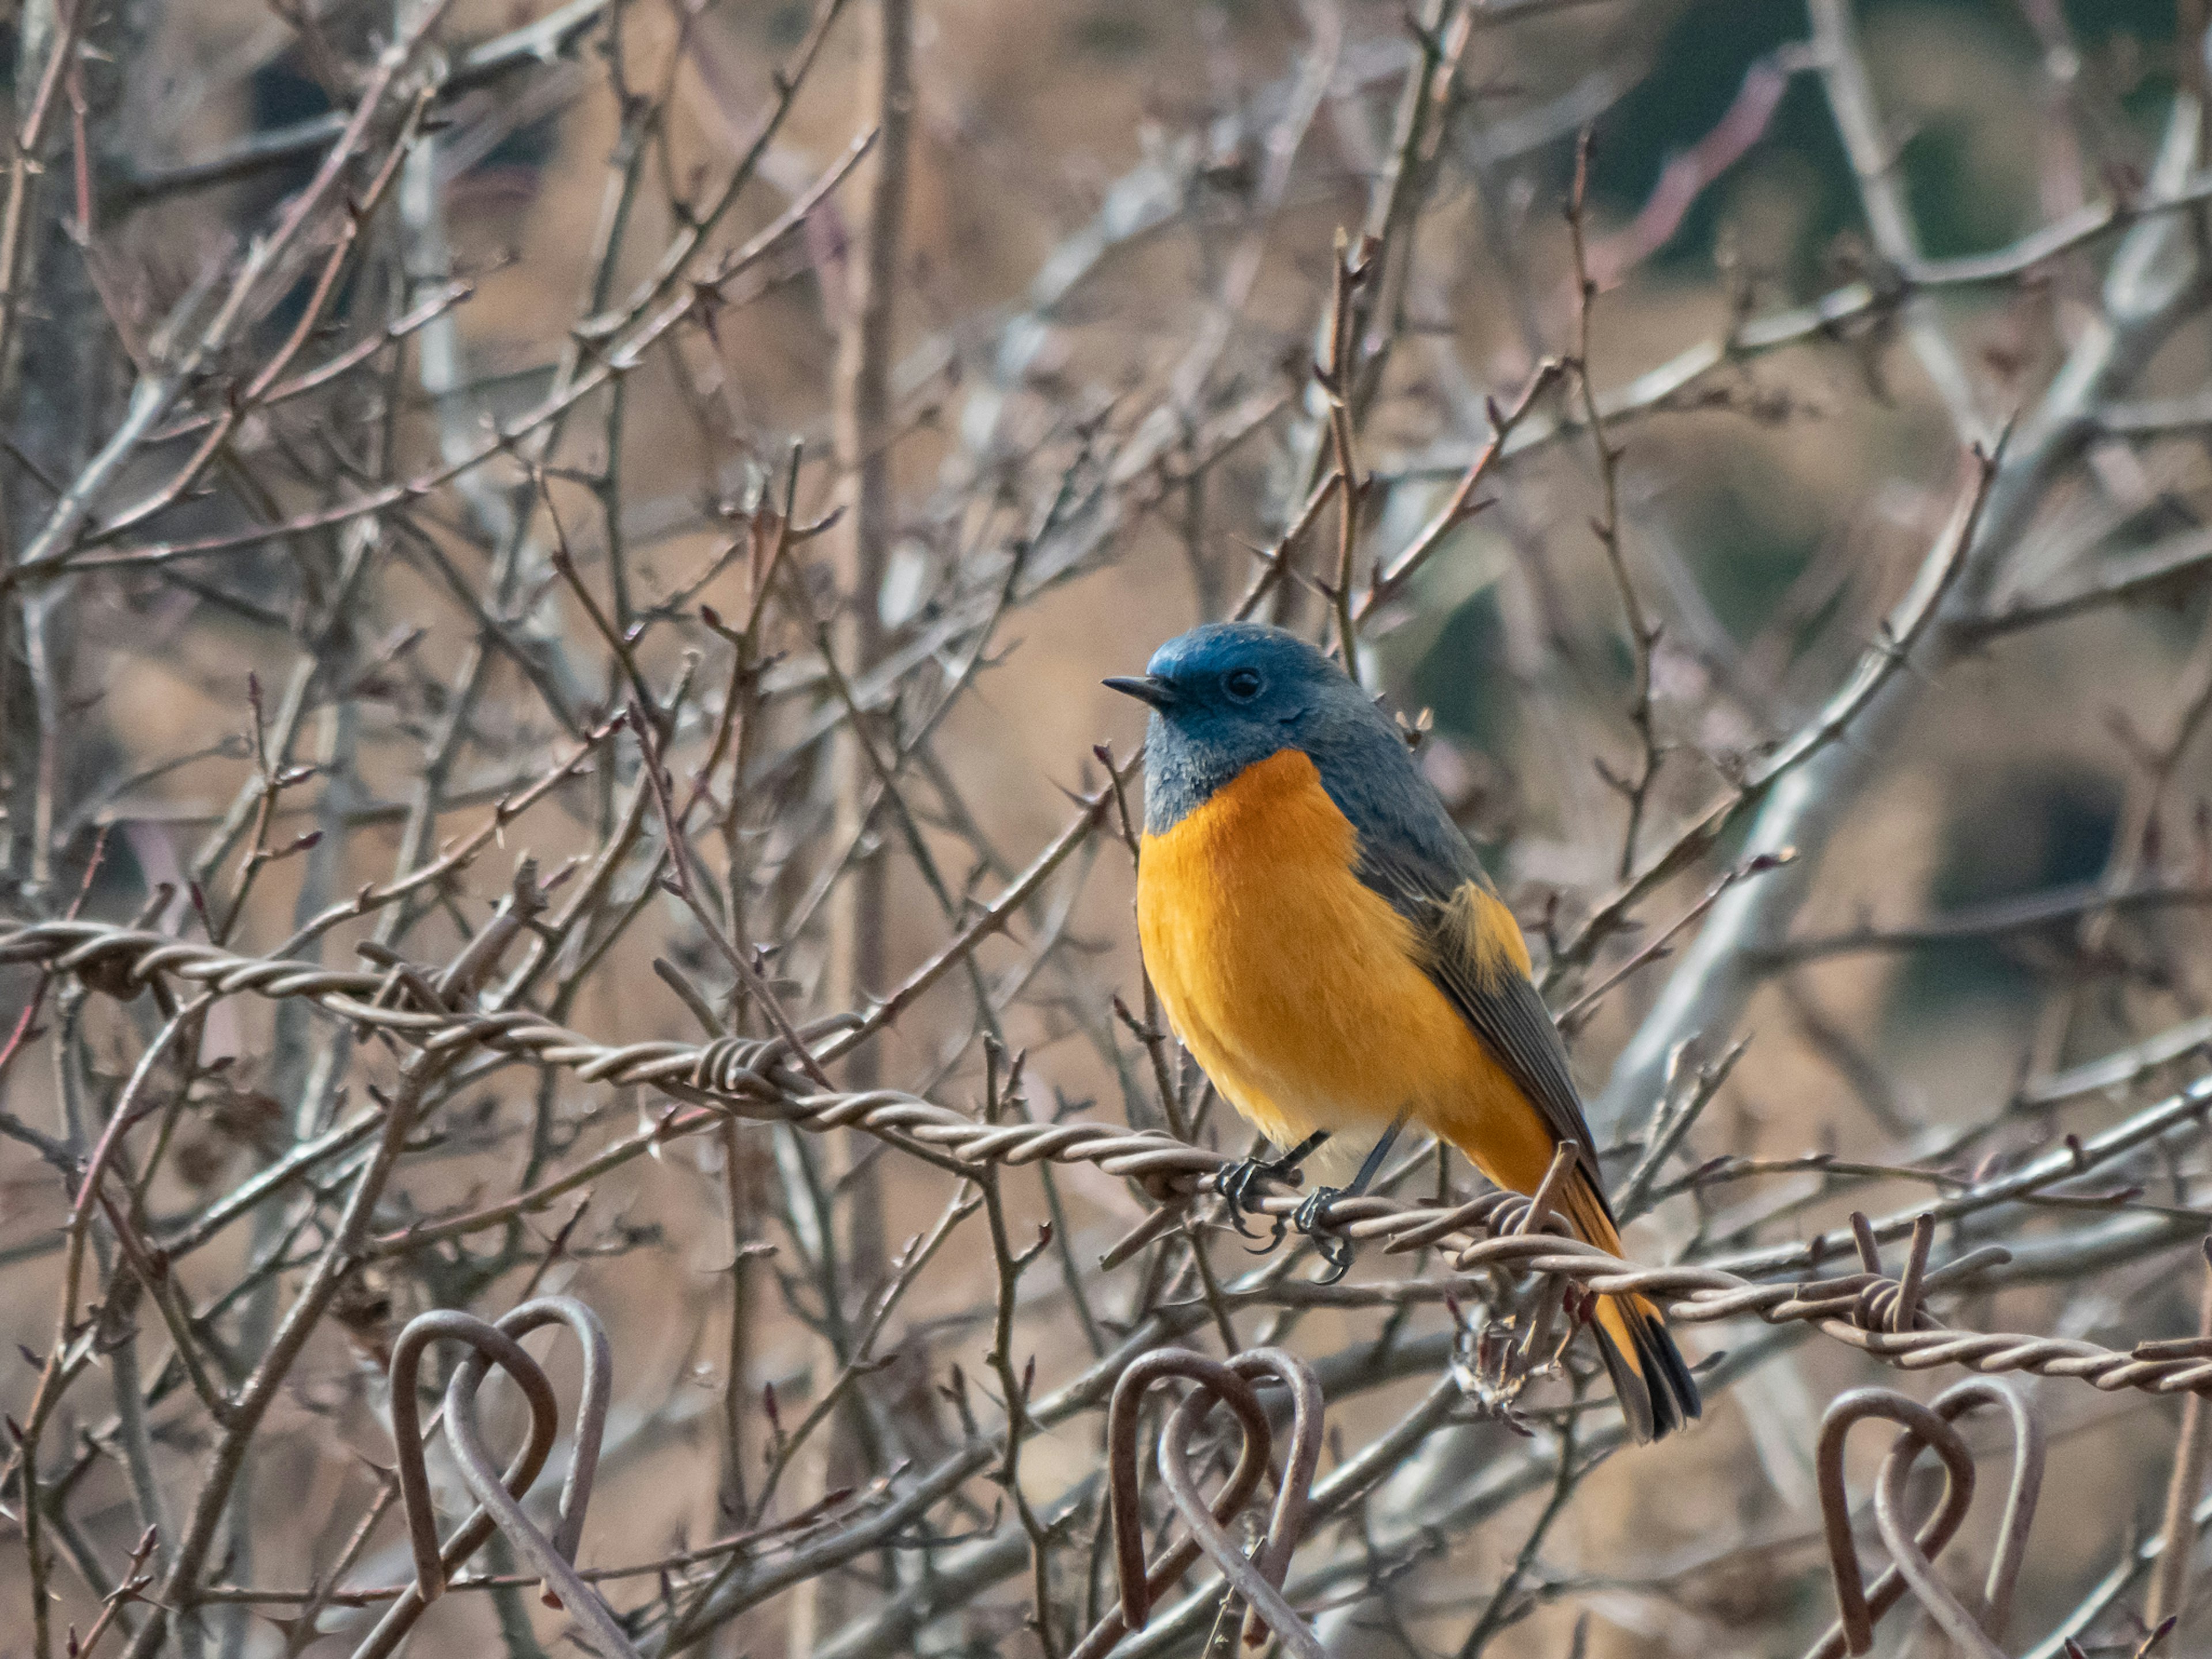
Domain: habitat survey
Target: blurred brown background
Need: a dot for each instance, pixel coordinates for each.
(1118, 246)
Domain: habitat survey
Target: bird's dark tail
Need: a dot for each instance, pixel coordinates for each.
(1656, 1392)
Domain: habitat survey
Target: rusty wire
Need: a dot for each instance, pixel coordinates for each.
(498, 1495)
(1912, 1554)
(1142, 1586)
(1256, 1578)
(1883, 1318)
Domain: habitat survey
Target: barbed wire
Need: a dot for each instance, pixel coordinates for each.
(1884, 1318)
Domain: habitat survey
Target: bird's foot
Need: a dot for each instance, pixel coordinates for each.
(1312, 1219)
(1239, 1183)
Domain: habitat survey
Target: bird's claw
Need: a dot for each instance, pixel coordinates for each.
(1237, 1184)
(1312, 1220)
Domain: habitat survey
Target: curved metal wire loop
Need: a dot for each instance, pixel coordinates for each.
(554, 1558)
(1912, 1556)
(1141, 1586)
(432, 1564)
(1975, 1634)
(1857, 1605)
(497, 1495)
(1257, 1578)
(1287, 1523)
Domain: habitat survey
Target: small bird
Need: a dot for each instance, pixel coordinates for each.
(1332, 953)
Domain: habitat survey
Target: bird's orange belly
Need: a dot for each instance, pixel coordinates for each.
(1296, 986)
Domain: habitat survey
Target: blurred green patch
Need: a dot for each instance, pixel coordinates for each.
(1961, 206)
(2096, 22)
(1951, 200)
(2131, 46)
(531, 145)
(1696, 76)
(787, 24)
(1746, 530)
(1116, 32)
(1462, 677)
(2023, 831)
(279, 94)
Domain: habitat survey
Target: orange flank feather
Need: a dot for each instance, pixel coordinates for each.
(1306, 996)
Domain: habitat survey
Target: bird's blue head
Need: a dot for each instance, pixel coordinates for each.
(1227, 695)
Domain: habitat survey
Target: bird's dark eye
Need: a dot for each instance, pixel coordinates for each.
(1242, 683)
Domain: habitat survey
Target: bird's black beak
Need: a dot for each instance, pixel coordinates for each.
(1145, 688)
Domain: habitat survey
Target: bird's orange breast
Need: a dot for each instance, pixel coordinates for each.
(1296, 987)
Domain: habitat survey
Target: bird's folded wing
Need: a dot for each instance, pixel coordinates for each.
(1461, 925)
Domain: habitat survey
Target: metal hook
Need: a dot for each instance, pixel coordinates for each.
(1976, 1635)
(497, 1495)
(1258, 1577)
(432, 1564)
(1141, 1586)
(1857, 1605)
(1912, 1556)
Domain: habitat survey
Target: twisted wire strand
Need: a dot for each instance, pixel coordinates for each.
(1879, 1316)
